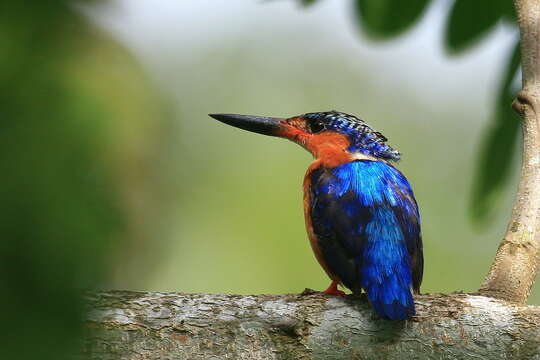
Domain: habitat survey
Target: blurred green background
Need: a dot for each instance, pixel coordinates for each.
(235, 222)
(114, 177)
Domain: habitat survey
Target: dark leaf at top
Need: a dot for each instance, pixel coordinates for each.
(382, 19)
(307, 2)
(469, 20)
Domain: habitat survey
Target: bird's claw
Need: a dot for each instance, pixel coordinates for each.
(333, 290)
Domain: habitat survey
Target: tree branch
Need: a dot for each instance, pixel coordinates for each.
(131, 325)
(514, 269)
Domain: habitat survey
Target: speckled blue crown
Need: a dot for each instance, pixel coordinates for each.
(363, 138)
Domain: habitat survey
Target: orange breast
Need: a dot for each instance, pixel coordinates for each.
(330, 148)
(309, 226)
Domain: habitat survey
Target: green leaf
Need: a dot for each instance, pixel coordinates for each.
(469, 20)
(509, 12)
(496, 156)
(494, 166)
(387, 18)
(513, 66)
(307, 2)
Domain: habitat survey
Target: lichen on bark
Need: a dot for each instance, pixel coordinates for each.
(130, 325)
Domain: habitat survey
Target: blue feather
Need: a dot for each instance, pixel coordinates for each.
(368, 229)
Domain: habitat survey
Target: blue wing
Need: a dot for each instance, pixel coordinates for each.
(367, 225)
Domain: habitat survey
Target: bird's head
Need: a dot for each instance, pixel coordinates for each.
(333, 136)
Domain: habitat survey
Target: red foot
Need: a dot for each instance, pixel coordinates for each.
(333, 290)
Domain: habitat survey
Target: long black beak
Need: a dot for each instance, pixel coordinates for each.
(259, 124)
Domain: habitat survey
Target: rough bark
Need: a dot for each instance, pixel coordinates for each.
(131, 325)
(514, 269)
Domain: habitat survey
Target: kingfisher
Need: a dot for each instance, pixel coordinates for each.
(361, 215)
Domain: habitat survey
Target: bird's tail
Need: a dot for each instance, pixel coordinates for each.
(386, 277)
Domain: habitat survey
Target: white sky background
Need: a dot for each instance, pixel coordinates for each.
(160, 32)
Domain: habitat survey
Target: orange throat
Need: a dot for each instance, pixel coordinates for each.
(330, 149)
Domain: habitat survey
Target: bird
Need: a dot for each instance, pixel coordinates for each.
(361, 215)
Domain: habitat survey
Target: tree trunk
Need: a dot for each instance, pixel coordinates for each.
(516, 264)
(131, 325)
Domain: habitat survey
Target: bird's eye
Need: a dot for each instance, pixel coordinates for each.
(316, 127)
